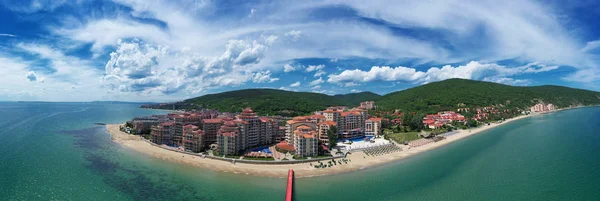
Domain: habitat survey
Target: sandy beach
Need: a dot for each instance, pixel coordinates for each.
(358, 159)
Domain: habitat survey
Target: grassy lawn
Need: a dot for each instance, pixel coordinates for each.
(401, 137)
(259, 159)
(234, 157)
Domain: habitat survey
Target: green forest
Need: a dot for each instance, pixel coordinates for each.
(277, 102)
(460, 93)
(428, 98)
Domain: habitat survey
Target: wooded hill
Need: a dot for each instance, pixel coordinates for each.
(429, 98)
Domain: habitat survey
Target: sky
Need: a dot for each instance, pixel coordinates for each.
(154, 50)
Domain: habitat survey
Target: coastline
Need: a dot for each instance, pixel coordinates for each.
(358, 159)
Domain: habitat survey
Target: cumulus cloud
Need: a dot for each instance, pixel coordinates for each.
(263, 77)
(140, 67)
(355, 91)
(472, 70)
(320, 73)
(316, 82)
(312, 68)
(295, 84)
(288, 68)
(294, 34)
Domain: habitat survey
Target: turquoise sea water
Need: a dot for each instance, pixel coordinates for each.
(53, 151)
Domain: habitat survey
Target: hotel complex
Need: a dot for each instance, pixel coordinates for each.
(229, 134)
(304, 136)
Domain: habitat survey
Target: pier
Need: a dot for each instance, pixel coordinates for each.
(290, 186)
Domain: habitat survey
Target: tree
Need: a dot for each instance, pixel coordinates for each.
(416, 123)
(472, 123)
(407, 118)
(332, 135)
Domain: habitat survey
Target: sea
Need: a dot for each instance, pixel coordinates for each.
(54, 151)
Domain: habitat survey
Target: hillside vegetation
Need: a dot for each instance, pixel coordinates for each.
(278, 102)
(457, 93)
(429, 98)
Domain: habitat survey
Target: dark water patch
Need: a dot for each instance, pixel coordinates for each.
(140, 183)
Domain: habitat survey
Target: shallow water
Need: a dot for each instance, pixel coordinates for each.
(54, 151)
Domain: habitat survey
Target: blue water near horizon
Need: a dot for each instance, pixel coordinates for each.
(53, 151)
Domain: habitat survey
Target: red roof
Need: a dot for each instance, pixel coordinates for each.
(329, 123)
(303, 127)
(240, 121)
(168, 123)
(309, 136)
(212, 121)
(248, 110)
(230, 123)
(228, 134)
(286, 146)
(190, 126)
(428, 121)
(374, 119)
(317, 116)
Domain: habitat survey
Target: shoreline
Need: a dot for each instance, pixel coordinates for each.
(359, 160)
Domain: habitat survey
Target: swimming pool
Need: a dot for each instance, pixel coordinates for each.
(262, 149)
(359, 139)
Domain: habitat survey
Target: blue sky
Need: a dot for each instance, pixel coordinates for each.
(137, 50)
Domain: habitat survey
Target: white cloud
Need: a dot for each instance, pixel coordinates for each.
(7, 35)
(320, 73)
(316, 87)
(350, 84)
(104, 32)
(355, 91)
(312, 68)
(252, 11)
(288, 68)
(295, 84)
(294, 34)
(509, 81)
(142, 68)
(263, 77)
(316, 82)
(591, 45)
(472, 70)
(287, 89)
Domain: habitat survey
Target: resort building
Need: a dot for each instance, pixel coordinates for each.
(306, 142)
(253, 137)
(367, 105)
(292, 125)
(163, 133)
(193, 138)
(227, 139)
(211, 127)
(332, 115)
(542, 108)
(436, 121)
(269, 129)
(280, 136)
(373, 126)
(182, 120)
(339, 108)
(351, 124)
(143, 125)
(316, 118)
(323, 128)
